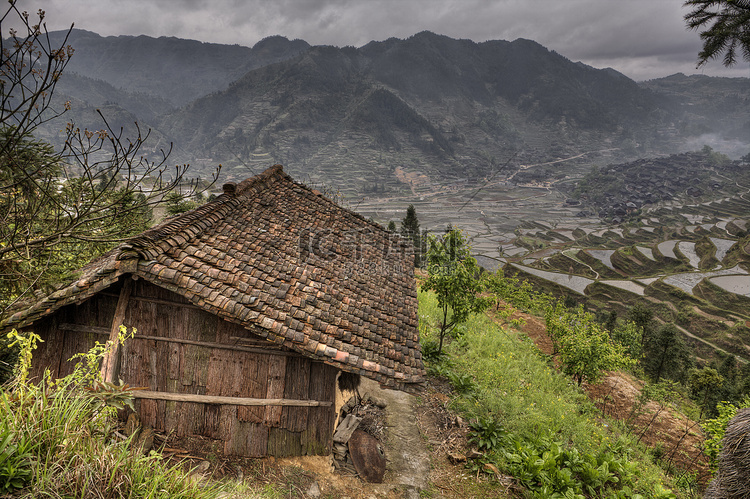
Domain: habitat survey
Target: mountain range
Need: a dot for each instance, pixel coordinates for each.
(391, 116)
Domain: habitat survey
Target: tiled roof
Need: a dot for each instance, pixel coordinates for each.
(286, 263)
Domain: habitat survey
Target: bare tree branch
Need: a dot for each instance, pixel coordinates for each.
(60, 208)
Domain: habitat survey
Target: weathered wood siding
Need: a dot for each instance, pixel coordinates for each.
(168, 366)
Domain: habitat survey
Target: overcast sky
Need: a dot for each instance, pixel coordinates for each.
(643, 39)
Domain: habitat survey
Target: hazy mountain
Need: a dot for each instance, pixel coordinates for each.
(380, 118)
(429, 104)
(714, 111)
(174, 69)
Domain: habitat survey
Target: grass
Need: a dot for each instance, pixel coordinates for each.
(546, 420)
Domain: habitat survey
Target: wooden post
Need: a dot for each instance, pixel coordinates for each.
(111, 364)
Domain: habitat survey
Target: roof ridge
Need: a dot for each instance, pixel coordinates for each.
(273, 171)
(277, 170)
(177, 224)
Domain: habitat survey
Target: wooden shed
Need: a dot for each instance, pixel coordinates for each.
(246, 310)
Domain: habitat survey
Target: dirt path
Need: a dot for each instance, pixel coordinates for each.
(407, 457)
(408, 460)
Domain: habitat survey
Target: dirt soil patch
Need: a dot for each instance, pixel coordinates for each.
(447, 440)
(675, 439)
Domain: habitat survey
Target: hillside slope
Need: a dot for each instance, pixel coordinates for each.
(368, 119)
(443, 107)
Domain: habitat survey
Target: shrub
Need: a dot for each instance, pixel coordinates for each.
(486, 433)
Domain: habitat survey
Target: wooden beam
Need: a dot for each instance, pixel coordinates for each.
(82, 328)
(159, 301)
(272, 349)
(111, 363)
(209, 399)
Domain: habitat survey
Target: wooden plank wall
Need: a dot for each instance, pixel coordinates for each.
(60, 345)
(185, 368)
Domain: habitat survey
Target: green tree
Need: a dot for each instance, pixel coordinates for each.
(176, 203)
(391, 226)
(58, 208)
(667, 355)
(585, 348)
(610, 323)
(743, 380)
(629, 334)
(410, 230)
(726, 28)
(716, 427)
(703, 383)
(455, 277)
(643, 317)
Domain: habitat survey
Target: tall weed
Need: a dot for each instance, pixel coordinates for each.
(56, 439)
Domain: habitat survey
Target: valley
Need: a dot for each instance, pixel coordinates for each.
(685, 257)
(572, 176)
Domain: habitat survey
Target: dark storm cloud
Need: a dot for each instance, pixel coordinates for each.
(640, 38)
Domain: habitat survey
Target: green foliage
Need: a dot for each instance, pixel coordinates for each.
(55, 440)
(702, 383)
(26, 345)
(15, 460)
(455, 278)
(55, 220)
(8, 359)
(517, 293)
(177, 203)
(411, 232)
(86, 370)
(629, 335)
(430, 351)
(585, 348)
(714, 157)
(112, 394)
(716, 427)
(666, 354)
(642, 317)
(725, 24)
(551, 470)
(486, 433)
(462, 383)
(533, 422)
(60, 208)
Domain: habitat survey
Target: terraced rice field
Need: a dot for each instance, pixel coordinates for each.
(666, 248)
(687, 281)
(687, 248)
(648, 280)
(647, 252)
(722, 246)
(572, 282)
(631, 286)
(604, 256)
(737, 284)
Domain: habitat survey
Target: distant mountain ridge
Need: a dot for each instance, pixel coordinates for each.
(374, 119)
(173, 69)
